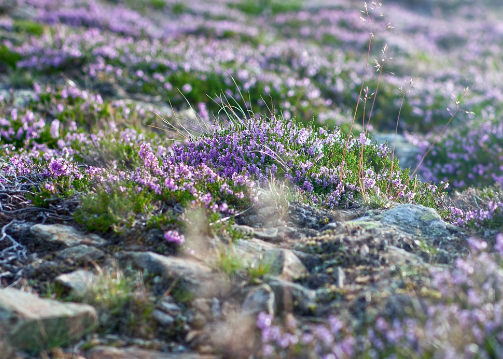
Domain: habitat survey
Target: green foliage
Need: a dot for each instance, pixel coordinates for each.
(8, 57)
(182, 295)
(114, 208)
(28, 27)
(158, 4)
(179, 8)
(228, 262)
(121, 302)
(257, 270)
(41, 198)
(257, 7)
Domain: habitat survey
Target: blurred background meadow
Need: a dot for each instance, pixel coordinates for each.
(305, 59)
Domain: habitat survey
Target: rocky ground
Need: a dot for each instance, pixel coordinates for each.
(358, 263)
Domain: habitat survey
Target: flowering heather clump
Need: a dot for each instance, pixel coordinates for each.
(308, 158)
(174, 237)
(122, 175)
(123, 195)
(93, 14)
(469, 155)
(21, 128)
(464, 322)
(477, 208)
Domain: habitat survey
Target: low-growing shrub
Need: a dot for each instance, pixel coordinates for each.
(308, 158)
(471, 154)
(477, 208)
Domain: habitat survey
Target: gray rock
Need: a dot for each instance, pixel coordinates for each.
(259, 299)
(247, 230)
(6, 351)
(28, 322)
(267, 234)
(364, 250)
(199, 277)
(405, 151)
(41, 267)
(235, 337)
(290, 295)
(170, 308)
(59, 236)
(80, 252)
(400, 256)
(252, 250)
(79, 281)
(284, 264)
(103, 352)
(203, 306)
(416, 219)
(268, 212)
(163, 318)
(329, 227)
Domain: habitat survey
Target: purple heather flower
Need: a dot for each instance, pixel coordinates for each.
(264, 320)
(55, 128)
(307, 338)
(477, 244)
(174, 237)
(335, 324)
(58, 167)
(499, 243)
(187, 88)
(268, 350)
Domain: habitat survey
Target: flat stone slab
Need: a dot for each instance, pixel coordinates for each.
(411, 218)
(80, 253)
(199, 276)
(104, 352)
(415, 220)
(61, 236)
(267, 234)
(284, 263)
(79, 281)
(28, 322)
(252, 250)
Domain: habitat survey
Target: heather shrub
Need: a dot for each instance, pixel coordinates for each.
(311, 159)
(469, 154)
(477, 208)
